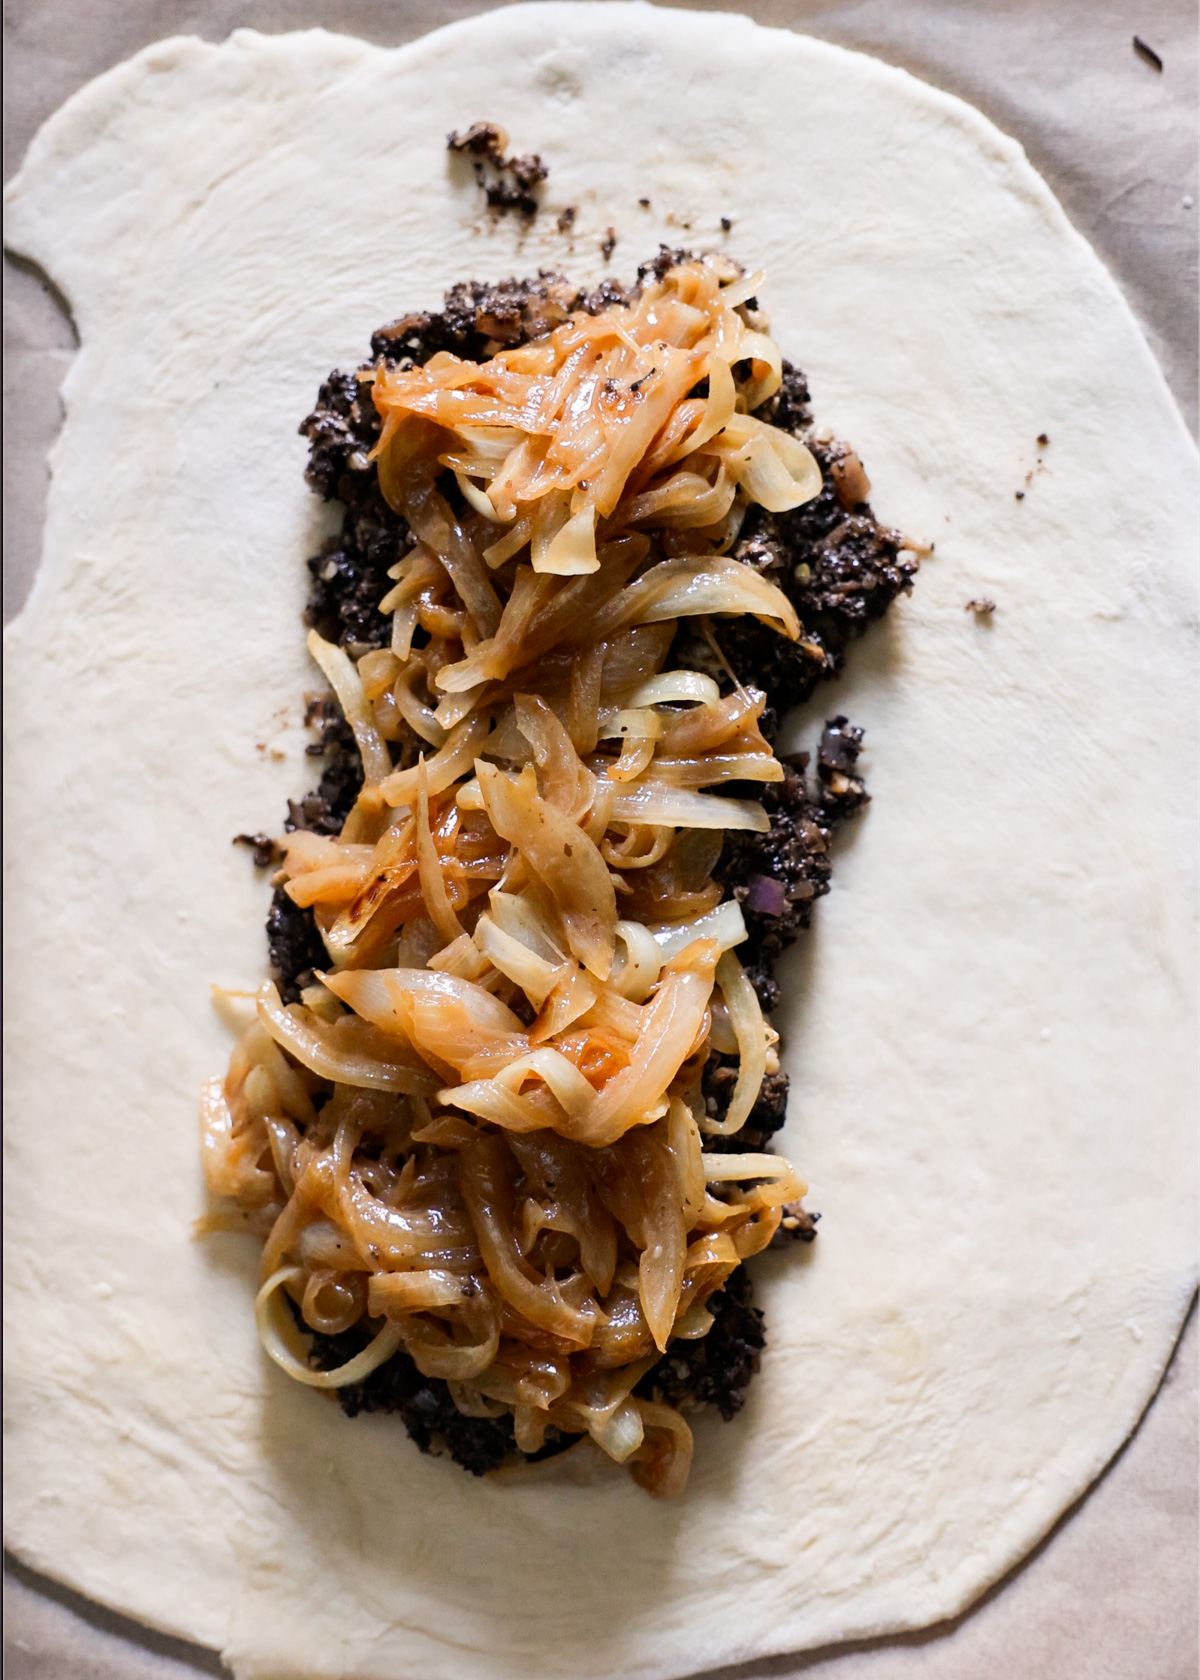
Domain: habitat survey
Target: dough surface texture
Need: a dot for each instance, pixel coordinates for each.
(989, 1030)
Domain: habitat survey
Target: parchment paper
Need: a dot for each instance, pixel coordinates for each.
(1111, 1595)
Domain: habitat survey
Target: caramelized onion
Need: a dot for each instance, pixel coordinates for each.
(346, 1052)
(281, 1342)
(750, 1030)
(479, 1134)
(562, 856)
(663, 1464)
(444, 768)
(486, 1177)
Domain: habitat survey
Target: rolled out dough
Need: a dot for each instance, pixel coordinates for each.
(990, 1031)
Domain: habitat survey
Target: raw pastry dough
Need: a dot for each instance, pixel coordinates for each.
(989, 1031)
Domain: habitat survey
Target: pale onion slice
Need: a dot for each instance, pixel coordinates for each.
(631, 659)
(280, 1340)
(563, 779)
(684, 500)
(744, 287)
(675, 685)
(668, 1031)
(535, 976)
(337, 885)
(665, 1459)
(423, 1291)
(711, 770)
(721, 586)
(377, 671)
(596, 1400)
(419, 940)
(725, 924)
(447, 1131)
(562, 857)
(796, 455)
(420, 718)
(750, 1030)
(721, 1034)
(639, 961)
(444, 768)
(513, 473)
(683, 1140)
(304, 851)
(695, 1322)
(639, 723)
(404, 624)
(659, 803)
(397, 597)
(711, 1249)
(686, 734)
(637, 755)
(487, 1100)
(316, 1049)
(487, 447)
(289, 1093)
(595, 824)
(462, 959)
(621, 1433)
(435, 1354)
(639, 847)
(223, 1173)
(551, 511)
(718, 409)
(519, 916)
(773, 467)
(429, 867)
(773, 1170)
(451, 709)
(762, 350)
(478, 499)
(583, 703)
(660, 1225)
(453, 1020)
(765, 478)
(699, 584)
(506, 741)
(571, 552)
(324, 1244)
(529, 1424)
(238, 1010)
(554, 1070)
(512, 542)
(343, 679)
(572, 996)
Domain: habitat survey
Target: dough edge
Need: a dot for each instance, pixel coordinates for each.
(28, 235)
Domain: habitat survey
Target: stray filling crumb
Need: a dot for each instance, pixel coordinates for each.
(509, 183)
